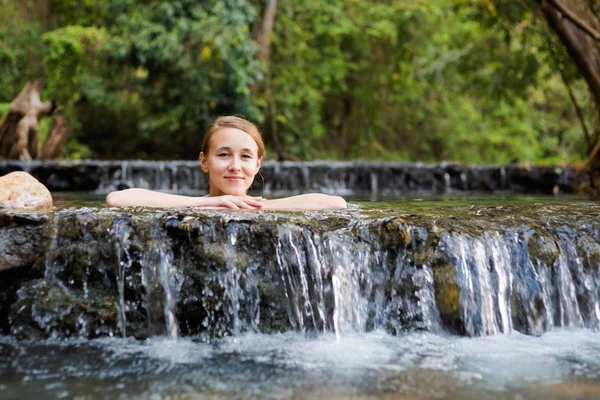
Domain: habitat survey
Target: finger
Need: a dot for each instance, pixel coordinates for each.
(231, 204)
(254, 201)
(243, 204)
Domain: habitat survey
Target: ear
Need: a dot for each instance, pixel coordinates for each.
(259, 163)
(203, 163)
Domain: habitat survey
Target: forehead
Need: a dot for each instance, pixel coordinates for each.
(233, 138)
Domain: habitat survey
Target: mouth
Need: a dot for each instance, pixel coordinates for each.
(234, 178)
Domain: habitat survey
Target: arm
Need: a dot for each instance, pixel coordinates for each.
(150, 198)
(312, 201)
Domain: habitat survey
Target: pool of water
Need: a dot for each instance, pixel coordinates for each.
(82, 199)
(558, 365)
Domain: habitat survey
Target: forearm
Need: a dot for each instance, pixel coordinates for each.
(312, 201)
(149, 198)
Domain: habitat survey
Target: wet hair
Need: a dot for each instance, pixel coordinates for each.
(231, 121)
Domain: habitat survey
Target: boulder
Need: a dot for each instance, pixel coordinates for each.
(19, 190)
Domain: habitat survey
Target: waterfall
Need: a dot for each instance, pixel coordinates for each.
(222, 273)
(300, 262)
(121, 234)
(579, 279)
(162, 281)
(496, 276)
(351, 282)
(483, 276)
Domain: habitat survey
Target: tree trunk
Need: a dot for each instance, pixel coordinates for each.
(264, 35)
(578, 28)
(19, 128)
(264, 53)
(54, 146)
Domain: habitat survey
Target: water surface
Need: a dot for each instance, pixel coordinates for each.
(87, 199)
(560, 364)
(557, 365)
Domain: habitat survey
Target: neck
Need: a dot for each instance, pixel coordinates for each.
(215, 192)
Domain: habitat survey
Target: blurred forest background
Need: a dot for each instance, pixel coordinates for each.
(482, 81)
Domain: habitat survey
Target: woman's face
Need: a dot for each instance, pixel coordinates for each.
(231, 163)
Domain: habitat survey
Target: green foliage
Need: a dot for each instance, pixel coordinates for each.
(461, 80)
(21, 54)
(180, 64)
(83, 12)
(428, 81)
(69, 49)
(3, 109)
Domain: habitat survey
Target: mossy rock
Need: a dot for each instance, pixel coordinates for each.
(447, 296)
(45, 310)
(543, 249)
(591, 253)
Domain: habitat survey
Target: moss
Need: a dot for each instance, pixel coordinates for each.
(543, 249)
(447, 295)
(590, 249)
(44, 309)
(405, 289)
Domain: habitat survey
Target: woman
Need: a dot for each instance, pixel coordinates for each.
(232, 153)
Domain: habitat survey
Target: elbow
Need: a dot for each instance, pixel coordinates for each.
(333, 202)
(115, 199)
(339, 202)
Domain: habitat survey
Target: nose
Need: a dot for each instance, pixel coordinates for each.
(235, 164)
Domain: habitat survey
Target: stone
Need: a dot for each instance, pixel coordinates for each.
(95, 271)
(19, 190)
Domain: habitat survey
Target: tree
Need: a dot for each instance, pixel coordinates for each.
(458, 80)
(578, 28)
(19, 128)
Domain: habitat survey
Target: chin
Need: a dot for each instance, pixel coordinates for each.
(236, 191)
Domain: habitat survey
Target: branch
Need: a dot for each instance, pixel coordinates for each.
(576, 20)
(281, 153)
(577, 108)
(590, 159)
(264, 36)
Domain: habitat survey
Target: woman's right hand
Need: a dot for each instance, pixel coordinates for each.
(235, 202)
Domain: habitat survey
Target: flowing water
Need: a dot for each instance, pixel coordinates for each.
(233, 306)
(559, 364)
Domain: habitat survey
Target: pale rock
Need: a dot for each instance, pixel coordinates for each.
(19, 190)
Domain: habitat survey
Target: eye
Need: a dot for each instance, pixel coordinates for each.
(222, 154)
(247, 156)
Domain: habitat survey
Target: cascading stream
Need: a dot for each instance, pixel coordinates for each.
(121, 234)
(299, 262)
(219, 274)
(162, 281)
(350, 276)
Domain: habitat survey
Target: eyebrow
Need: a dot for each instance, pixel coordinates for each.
(229, 149)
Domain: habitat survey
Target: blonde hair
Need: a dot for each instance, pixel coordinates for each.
(231, 121)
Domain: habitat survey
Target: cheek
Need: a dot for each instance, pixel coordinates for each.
(216, 164)
(251, 169)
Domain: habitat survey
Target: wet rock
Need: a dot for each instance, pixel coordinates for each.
(447, 296)
(19, 190)
(543, 250)
(46, 310)
(20, 239)
(96, 271)
(591, 253)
